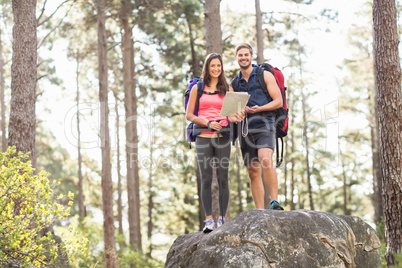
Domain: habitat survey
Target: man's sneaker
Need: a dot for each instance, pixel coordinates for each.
(275, 205)
(209, 226)
(221, 221)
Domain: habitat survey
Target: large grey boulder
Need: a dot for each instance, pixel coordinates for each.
(269, 238)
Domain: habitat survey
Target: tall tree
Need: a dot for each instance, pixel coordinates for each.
(22, 122)
(389, 105)
(214, 44)
(213, 32)
(81, 208)
(118, 170)
(130, 101)
(260, 38)
(107, 186)
(2, 102)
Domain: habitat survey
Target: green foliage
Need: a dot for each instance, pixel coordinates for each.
(87, 230)
(91, 230)
(130, 258)
(380, 229)
(27, 213)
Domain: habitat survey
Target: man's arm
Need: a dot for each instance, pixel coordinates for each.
(273, 91)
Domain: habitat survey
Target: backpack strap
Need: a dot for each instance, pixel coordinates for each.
(261, 80)
(279, 160)
(235, 84)
(200, 90)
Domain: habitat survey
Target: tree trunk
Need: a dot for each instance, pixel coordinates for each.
(377, 172)
(260, 40)
(107, 187)
(389, 105)
(81, 209)
(293, 150)
(195, 68)
(213, 32)
(306, 144)
(150, 201)
(3, 105)
(213, 42)
(130, 101)
(292, 176)
(344, 189)
(22, 122)
(305, 138)
(119, 184)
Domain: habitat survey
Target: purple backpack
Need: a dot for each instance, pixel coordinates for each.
(191, 134)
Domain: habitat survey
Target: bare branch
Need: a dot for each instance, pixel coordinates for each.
(42, 12)
(58, 24)
(48, 18)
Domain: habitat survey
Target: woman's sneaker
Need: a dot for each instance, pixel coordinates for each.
(221, 221)
(275, 205)
(209, 226)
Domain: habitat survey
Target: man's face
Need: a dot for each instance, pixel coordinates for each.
(244, 58)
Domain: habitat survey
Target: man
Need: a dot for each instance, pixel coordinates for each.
(258, 143)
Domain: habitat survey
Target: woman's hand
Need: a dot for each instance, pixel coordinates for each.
(239, 116)
(214, 125)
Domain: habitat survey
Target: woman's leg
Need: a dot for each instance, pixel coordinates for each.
(204, 158)
(222, 154)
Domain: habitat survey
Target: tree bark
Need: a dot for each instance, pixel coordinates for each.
(377, 173)
(344, 189)
(213, 32)
(305, 138)
(389, 105)
(150, 200)
(119, 177)
(293, 150)
(130, 101)
(81, 208)
(213, 43)
(375, 149)
(260, 40)
(3, 105)
(22, 122)
(196, 70)
(107, 187)
(306, 144)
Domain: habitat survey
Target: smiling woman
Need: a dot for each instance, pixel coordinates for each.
(213, 142)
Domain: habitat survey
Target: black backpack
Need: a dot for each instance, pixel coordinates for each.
(281, 114)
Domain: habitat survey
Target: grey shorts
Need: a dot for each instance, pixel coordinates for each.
(254, 141)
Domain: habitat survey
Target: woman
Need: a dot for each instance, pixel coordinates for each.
(212, 147)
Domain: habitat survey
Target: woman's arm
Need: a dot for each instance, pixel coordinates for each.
(190, 108)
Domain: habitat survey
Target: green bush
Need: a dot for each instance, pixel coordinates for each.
(27, 213)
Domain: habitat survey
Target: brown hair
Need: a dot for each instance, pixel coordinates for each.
(222, 85)
(243, 45)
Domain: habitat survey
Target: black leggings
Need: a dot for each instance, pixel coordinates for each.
(213, 152)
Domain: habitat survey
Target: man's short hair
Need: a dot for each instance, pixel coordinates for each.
(243, 45)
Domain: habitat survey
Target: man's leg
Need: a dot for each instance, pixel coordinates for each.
(269, 171)
(257, 188)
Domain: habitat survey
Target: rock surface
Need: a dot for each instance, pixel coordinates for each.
(269, 238)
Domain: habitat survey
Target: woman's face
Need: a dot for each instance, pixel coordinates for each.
(215, 68)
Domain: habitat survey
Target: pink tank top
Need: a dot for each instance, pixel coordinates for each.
(210, 108)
